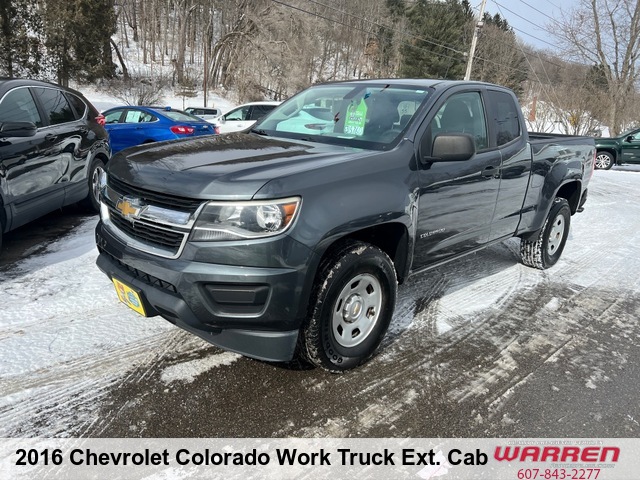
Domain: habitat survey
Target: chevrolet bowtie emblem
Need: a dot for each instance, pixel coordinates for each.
(130, 207)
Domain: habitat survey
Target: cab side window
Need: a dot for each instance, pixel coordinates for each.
(18, 106)
(506, 119)
(463, 113)
(55, 105)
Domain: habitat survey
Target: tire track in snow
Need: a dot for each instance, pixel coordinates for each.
(56, 392)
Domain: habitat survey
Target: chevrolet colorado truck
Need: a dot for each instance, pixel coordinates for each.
(290, 240)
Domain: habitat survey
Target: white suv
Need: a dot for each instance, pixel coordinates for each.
(244, 116)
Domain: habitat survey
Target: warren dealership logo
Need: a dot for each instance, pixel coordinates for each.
(130, 207)
(557, 454)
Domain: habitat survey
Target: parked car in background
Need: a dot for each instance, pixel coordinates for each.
(618, 150)
(53, 149)
(129, 126)
(205, 113)
(244, 116)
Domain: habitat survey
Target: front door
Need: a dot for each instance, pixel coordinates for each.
(630, 148)
(457, 199)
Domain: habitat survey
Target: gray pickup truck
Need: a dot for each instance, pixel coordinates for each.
(290, 240)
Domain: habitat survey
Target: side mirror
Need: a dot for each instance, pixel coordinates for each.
(452, 147)
(222, 120)
(629, 139)
(18, 129)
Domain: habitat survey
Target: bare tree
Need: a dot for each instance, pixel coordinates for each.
(607, 33)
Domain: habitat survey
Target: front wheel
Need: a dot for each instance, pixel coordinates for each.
(545, 250)
(604, 161)
(351, 308)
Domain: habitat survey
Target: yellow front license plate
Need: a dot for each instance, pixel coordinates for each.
(129, 297)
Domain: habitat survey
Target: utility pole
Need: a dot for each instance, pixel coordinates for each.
(474, 41)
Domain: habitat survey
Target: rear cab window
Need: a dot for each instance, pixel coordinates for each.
(506, 124)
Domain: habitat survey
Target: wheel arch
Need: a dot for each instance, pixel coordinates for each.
(392, 238)
(570, 191)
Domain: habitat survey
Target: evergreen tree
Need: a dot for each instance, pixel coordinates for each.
(499, 57)
(77, 38)
(440, 34)
(20, 47)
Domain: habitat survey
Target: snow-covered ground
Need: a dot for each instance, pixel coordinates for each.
(66, 342)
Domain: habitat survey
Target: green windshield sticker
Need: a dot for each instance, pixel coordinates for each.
(356, 116)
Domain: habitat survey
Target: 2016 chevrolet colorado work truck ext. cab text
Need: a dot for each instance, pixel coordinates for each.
(290, 240)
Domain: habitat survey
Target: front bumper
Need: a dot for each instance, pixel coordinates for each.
(253, 310)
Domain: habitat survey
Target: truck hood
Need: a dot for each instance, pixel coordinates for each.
(233, 166)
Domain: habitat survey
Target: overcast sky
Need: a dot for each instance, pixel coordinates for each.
(529, 18)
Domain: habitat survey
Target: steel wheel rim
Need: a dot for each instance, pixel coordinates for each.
(95, 183)
(556, 235)
(356, 310)
(602, 161)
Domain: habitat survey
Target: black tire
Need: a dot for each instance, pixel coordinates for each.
(544, 251)
(92, 202)
(351, 306)
(604, 161)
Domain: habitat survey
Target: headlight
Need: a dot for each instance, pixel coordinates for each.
(244, 220)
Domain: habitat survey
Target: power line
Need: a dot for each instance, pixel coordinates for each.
(430, 40)
(362, 30)
(553, 4)
(539, 11)
(404, 34)
(412, 36)
(528, 21)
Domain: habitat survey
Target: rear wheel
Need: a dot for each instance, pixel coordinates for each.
(92, 201)
(545, 250)
(604, 160)
(352, 305)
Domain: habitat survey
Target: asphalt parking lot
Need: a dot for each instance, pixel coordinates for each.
(481, 347)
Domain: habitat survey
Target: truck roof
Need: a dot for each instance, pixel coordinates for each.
(421, 82)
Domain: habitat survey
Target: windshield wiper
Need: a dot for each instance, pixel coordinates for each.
(260, 131)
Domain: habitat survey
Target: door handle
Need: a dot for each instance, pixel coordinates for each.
(50, 137)
(491, 171)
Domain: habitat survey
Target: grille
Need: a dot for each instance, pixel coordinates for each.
(148, 233)
(172, 202)
(145, 277)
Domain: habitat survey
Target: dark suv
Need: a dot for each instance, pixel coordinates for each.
(53, 148)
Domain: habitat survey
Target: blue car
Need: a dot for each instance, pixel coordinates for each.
(133, 125)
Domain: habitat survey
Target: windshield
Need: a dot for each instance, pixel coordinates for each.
(357, 115)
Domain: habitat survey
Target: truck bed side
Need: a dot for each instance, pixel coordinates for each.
(562, 166)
